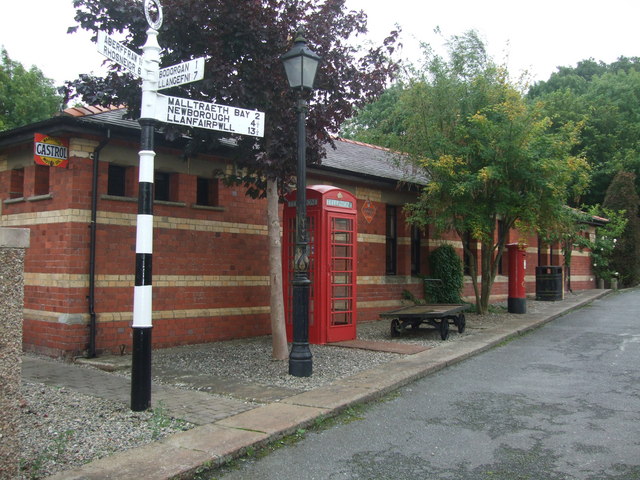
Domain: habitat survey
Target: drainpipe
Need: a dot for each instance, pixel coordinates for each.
(92, 247)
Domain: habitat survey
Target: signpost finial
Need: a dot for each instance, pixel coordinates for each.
(153, 12)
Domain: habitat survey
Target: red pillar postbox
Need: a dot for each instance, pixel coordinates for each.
(332, 230)
(517, 300)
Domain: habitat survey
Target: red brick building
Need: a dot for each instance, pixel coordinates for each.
(210, 279)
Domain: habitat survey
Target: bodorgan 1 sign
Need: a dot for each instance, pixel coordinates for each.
(50, 151)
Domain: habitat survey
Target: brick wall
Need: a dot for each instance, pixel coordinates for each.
(210, 271)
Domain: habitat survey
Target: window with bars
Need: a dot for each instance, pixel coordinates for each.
(391, 237)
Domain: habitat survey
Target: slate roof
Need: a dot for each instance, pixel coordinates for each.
(368, 160)
(348, 158)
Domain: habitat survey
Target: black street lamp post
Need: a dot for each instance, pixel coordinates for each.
(300, 65)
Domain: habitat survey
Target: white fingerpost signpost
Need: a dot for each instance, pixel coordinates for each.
(156, 107)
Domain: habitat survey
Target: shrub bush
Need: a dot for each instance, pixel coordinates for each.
(446, 266)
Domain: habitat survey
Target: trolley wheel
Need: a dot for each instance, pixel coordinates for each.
(444, 328)
(461, 323)
(396, 329)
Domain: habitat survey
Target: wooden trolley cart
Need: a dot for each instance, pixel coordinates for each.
(437, 315)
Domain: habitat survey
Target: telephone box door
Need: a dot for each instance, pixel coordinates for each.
(341, 278)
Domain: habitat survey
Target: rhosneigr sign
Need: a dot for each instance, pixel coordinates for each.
(114, 50)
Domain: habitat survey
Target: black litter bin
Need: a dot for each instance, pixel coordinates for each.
(549, 283)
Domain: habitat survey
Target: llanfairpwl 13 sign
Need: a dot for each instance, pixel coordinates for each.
(195, 113)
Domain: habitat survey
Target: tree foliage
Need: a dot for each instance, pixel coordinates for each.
(606, 99)
(26, 96)
(605, 244)
(622, 197)
(243, 47)
(489, 155)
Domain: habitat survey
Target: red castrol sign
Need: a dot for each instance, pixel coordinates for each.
(50, 151)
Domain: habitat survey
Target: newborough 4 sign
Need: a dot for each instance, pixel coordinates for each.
(195, 113)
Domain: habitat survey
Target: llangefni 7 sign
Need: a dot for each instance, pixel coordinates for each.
(185, 72)
(194, 113)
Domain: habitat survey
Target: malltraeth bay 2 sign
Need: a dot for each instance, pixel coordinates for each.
(195, 113)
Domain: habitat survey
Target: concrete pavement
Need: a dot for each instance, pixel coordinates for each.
(227, 428)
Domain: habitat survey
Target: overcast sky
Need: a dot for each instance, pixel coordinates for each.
(534, 36)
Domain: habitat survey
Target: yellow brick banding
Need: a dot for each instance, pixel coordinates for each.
(381, 304)
(373, 195)
(387, 280)
(108, 317)
(371, 238)
(436, 242)
(63, 280)
(129, 220)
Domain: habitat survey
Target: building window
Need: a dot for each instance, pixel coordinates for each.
(207, 192)
(469, 246)
(415, 250)
(117, 181)
(41, 186)
(162, 186)
(391, 240)
(16, 188)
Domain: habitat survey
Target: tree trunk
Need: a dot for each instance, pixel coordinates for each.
(280, 350)
(489, 269)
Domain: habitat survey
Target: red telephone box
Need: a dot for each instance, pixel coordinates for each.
(332, 231)
(517, 301)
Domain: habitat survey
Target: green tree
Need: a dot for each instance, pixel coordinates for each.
(379, 123)
(622, 196)
(26, 96)
(604, 246)
(606, 99)
(489, 155)
(244, 44)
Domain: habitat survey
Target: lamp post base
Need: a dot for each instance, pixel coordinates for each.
(300, 360)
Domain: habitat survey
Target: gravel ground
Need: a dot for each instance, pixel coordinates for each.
(61, 429)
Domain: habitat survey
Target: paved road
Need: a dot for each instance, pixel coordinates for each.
(562, 402)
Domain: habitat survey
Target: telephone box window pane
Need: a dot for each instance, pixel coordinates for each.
(342, 251)
(341, 278)
(342, 318)
(342, 264)
(341, 292)
(341, 305)
(341, 224)
(341, 237)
